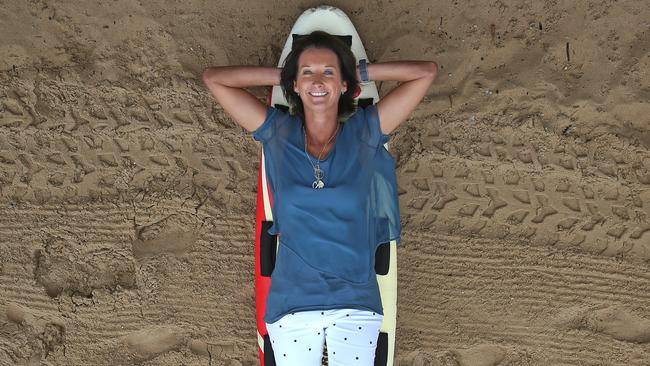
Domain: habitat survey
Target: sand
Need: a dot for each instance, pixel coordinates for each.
(127, 196)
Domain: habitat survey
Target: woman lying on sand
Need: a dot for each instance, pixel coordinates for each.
(334, 189)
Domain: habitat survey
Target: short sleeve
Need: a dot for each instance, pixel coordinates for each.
(373, 134)
(267, 129)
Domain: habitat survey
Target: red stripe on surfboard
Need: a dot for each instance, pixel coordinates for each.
(262, 284)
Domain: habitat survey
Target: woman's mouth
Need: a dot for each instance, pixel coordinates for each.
(318, 94)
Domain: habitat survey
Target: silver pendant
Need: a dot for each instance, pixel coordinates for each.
(318, 173)
(318, 184)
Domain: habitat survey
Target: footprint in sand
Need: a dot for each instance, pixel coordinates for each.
(418, 358)
(174, 235)
(151, 342)
(139, 347)
(479, 355)
(46, 332)
(613, 321)
(64, 266)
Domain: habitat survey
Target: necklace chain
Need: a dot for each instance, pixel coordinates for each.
(318, 173)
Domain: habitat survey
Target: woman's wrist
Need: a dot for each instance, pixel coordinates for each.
(362, 69)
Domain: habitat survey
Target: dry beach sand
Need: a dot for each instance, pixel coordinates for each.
(127, 196)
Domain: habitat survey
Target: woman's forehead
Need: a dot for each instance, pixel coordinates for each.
(318, 56)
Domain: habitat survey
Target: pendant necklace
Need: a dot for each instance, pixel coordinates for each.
(318, 172)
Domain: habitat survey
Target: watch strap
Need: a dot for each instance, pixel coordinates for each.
(363, 70)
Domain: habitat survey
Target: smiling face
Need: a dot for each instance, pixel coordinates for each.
(318, 81)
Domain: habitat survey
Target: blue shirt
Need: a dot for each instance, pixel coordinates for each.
(328, 237)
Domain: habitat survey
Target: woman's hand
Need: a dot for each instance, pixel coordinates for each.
(227, 83)
(415, 77)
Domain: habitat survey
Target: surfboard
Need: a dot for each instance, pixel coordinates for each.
(334, 21)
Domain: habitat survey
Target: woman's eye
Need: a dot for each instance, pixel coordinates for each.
(306, 72)
(328, 72)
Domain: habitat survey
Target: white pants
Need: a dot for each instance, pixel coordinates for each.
(351, 335)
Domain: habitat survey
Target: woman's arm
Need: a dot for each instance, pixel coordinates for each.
(415, 77)
(227, 83)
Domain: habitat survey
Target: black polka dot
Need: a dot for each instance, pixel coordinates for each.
(318, 333)
(370, 342)
(322, 313)
(373, 313)
(310, 349)
(280, 326)
(347, 314)
(334, 324)
(345, 339)
(333, 353)
(285, 355)
(295, 340)
(357, 357)
(359, 327)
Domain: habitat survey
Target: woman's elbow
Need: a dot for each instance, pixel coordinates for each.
(431, 69)
(208, 75)
(214, 75)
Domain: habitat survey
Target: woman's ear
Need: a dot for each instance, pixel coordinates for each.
(295, 89)
(345, 87)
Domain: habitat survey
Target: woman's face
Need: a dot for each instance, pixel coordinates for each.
(319, 81)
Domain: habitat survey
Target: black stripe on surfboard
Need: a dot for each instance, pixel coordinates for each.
(269, 358)
(382, 259)
(365, 102)
(281, 107)
(381, 353)
(268, 246)
(346, 39)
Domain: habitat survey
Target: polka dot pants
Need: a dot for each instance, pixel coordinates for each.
(351, 336)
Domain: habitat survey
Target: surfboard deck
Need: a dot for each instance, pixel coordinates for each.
(333, 21)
